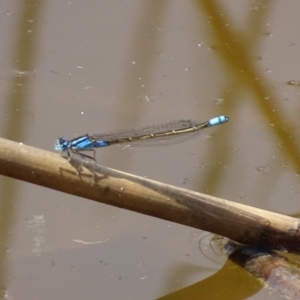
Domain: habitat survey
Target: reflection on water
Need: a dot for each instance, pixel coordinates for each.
(210, 247)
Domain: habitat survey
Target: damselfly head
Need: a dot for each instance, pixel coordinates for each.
(62, 144)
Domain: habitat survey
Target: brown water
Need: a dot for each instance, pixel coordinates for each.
(72, 67)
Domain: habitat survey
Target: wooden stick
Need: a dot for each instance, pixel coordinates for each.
(236, 221)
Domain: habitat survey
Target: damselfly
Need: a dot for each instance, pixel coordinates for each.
(159, 134)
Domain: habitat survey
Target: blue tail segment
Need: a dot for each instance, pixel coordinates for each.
(217, 121)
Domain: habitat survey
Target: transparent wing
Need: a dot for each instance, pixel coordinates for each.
(153, 130)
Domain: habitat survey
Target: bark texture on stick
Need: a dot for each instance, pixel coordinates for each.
(239, 222)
